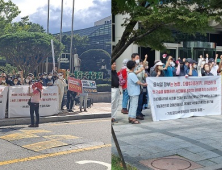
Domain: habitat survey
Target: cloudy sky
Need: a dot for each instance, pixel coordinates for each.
(86, 12)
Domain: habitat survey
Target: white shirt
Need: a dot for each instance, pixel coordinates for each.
(214, 70)
(61, 84)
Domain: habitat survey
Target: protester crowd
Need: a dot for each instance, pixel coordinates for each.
(50, 79)
(132, 80)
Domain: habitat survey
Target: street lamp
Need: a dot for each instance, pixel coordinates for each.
(71, 65)
(60, 31)
(47, 59)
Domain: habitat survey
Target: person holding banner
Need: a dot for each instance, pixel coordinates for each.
(134, 91)
(34, 103)
(83, 99)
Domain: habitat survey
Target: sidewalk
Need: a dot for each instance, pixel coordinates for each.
(98, 110)
(197, 139)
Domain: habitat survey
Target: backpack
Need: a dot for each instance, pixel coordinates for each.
(122, 81)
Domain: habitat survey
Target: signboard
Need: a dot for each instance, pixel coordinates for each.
(18, 101)
(178, 97)
(3, 100)
(90, 75)
(74, 85)
(89, 86)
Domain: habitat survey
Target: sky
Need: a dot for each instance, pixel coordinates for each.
(86, 12)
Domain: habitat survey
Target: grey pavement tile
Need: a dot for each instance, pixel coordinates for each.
(195, 149)
(207, 154)
(206, 163)
(217, 160)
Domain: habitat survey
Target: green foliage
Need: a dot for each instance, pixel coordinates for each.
(25, 25)
(95, 60)
(8, 11)
(103, 87)
(26, 50)
(8, 69)
(156, 21)
(79, 43)
(117, 164)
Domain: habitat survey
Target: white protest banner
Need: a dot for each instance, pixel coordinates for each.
(3, 100)
(89, 86)
(18, 101)
(178, 97)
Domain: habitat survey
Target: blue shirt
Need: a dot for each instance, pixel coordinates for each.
(194, 72)
(133, 88)
(185, 69)
(169, 72)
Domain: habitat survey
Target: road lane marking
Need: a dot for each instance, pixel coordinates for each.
(44, 145)
(96, 162)
(52, 154)
(59, 124)
(60, 137)
(35, 131)
(17, 136)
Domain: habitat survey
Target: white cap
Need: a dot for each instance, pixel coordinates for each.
(159, 64)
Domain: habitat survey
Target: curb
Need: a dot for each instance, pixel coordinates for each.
(26, 121)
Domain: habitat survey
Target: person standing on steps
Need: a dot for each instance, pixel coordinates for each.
(34, 103)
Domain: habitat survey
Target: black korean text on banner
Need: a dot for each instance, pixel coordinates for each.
(178, 97)
(3, 100)
(18, 99)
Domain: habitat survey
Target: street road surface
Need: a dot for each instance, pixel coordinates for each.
(82, 144)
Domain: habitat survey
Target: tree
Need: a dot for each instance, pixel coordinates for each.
(26, 50)
(8, 12)
(95, 60)
(25, 25)
(79, 42)
(157, 19)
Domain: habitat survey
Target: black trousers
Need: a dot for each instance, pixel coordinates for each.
(34, 107)
(69, 103)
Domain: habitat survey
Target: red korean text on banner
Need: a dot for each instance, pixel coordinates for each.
(75, 85)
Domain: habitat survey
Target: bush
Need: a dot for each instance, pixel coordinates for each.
(103, 87)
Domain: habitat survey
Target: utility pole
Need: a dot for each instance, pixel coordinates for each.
(60, 31)
(47, 59)
(71, 64)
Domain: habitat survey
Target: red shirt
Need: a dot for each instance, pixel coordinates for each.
(124, 74)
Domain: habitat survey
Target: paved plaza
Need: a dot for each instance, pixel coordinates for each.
(198, 139)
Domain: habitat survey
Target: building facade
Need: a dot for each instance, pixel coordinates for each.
(184, 46)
